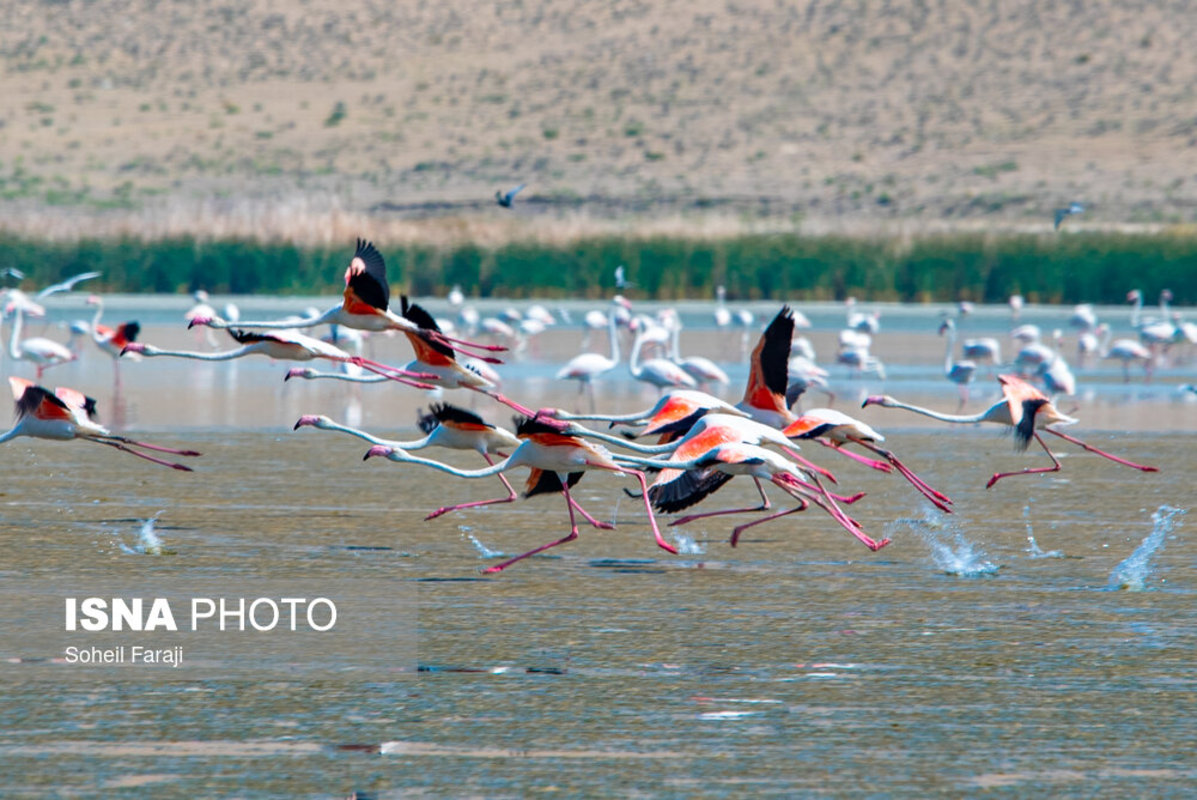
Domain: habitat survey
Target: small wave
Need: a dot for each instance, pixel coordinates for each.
(1133, 573)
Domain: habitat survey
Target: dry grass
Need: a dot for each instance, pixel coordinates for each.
(321, 120)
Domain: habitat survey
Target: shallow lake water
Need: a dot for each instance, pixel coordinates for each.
(1037, 642)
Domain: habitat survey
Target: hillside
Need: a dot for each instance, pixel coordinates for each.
(297, 118)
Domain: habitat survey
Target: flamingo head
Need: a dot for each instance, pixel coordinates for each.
(878, 400)
(300, 372)
(312, 420)
(946, 326)
(378, 450)
(93, 300)
(133, 347)
(1133, 295)
(199, 319)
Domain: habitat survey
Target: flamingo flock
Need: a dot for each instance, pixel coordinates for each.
(679, 451)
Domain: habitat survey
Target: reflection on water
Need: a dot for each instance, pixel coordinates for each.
(797, 664)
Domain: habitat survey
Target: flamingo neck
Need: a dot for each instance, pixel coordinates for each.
(14, 340)
(988, 415)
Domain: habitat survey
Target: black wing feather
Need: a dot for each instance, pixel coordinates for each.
(775, 355)
(413, 312)
(548, 482)
(692, 486)
(371, 285)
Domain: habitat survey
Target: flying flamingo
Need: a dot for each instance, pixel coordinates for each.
(66, 414)
(720, 462)
(283, 345)
(445, 426)
(765, 393)
(1025, 409)
(836, 429)
(66, 285)
(365, 306)
(543, 449)
(43, 353)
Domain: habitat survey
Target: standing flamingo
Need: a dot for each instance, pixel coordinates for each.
(365, 305)
(543, 449)
(585, 367)
(659, 372)
(958, 372)
(445, 426)
(66, 414)
(1025, 409)
(283, 345)
(43, 353)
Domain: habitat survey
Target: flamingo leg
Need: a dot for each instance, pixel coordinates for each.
(602, 526)
(764, 506)
(937, 498)
(652, 520)
(1055, 467)
(1102, 453)
(147, 446)
(511, 496)
(130, 450)
(810, 465)
(737, 531)
(573, 534)
(393, 373)
(826, 503)
(880, 466)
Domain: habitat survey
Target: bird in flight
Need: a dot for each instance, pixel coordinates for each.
(506, 198)
(1064, 213)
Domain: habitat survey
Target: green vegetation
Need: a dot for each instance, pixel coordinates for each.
(1073, 268)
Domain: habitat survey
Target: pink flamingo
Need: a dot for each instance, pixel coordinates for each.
(1025, 409)
(543, 449)
(66, 414)
(445, 426)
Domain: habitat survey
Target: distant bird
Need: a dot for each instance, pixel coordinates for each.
(1025, 409)
(659, 372)
(456, 297)
(12, 273)
(111, 340)
(444, 426)
(1127, 351)
(621, 281)
(958, 372)
(723, 315)
(67, 285)
(506, 198)
(1016, 303)
(1068, 211)
(586, 367)
(66, 414)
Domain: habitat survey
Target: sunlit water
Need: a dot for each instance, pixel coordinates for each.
(797, 664)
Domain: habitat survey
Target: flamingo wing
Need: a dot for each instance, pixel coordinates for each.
(546, 481)
(428, 350)
(366, 288)
(1023, 400)
(769, 364)
(38, 402)
(457, 417)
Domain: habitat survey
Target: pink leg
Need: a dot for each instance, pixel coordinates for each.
(464, 344)
(652, 520)
(938, 499)
(573, 534)
(1055, 467)
(839, 498)
(1102, 453)
(158, 448)
(602, 526)
(881, 466)
(130, 450)
(735, 537)
(394, 373)
(511, 495)
(764, 506)
(810, 465)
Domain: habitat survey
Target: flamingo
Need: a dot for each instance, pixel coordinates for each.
(543, 449)
(703, 370)
(659, 372)
(723, 316)
(860, 321)
(364, 306)
(720, 462)
(1023, 408)
(836, 429)
(43, 353)
(1016, 302)
(1126, 351)
(286, 346)
(111, 340)
(675, 411)
(585, 367)
(960, 372)
(804, 375)
(66, 414)
(444, 426)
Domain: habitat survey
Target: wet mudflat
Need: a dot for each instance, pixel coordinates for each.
(1014, 647)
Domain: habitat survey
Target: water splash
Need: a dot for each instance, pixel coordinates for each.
(952, 553)
(148, 543)
(1132, 573)
(687, 545)
(483, 550)
(1033, 549)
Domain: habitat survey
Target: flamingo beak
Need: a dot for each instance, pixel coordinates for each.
(378, 450)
